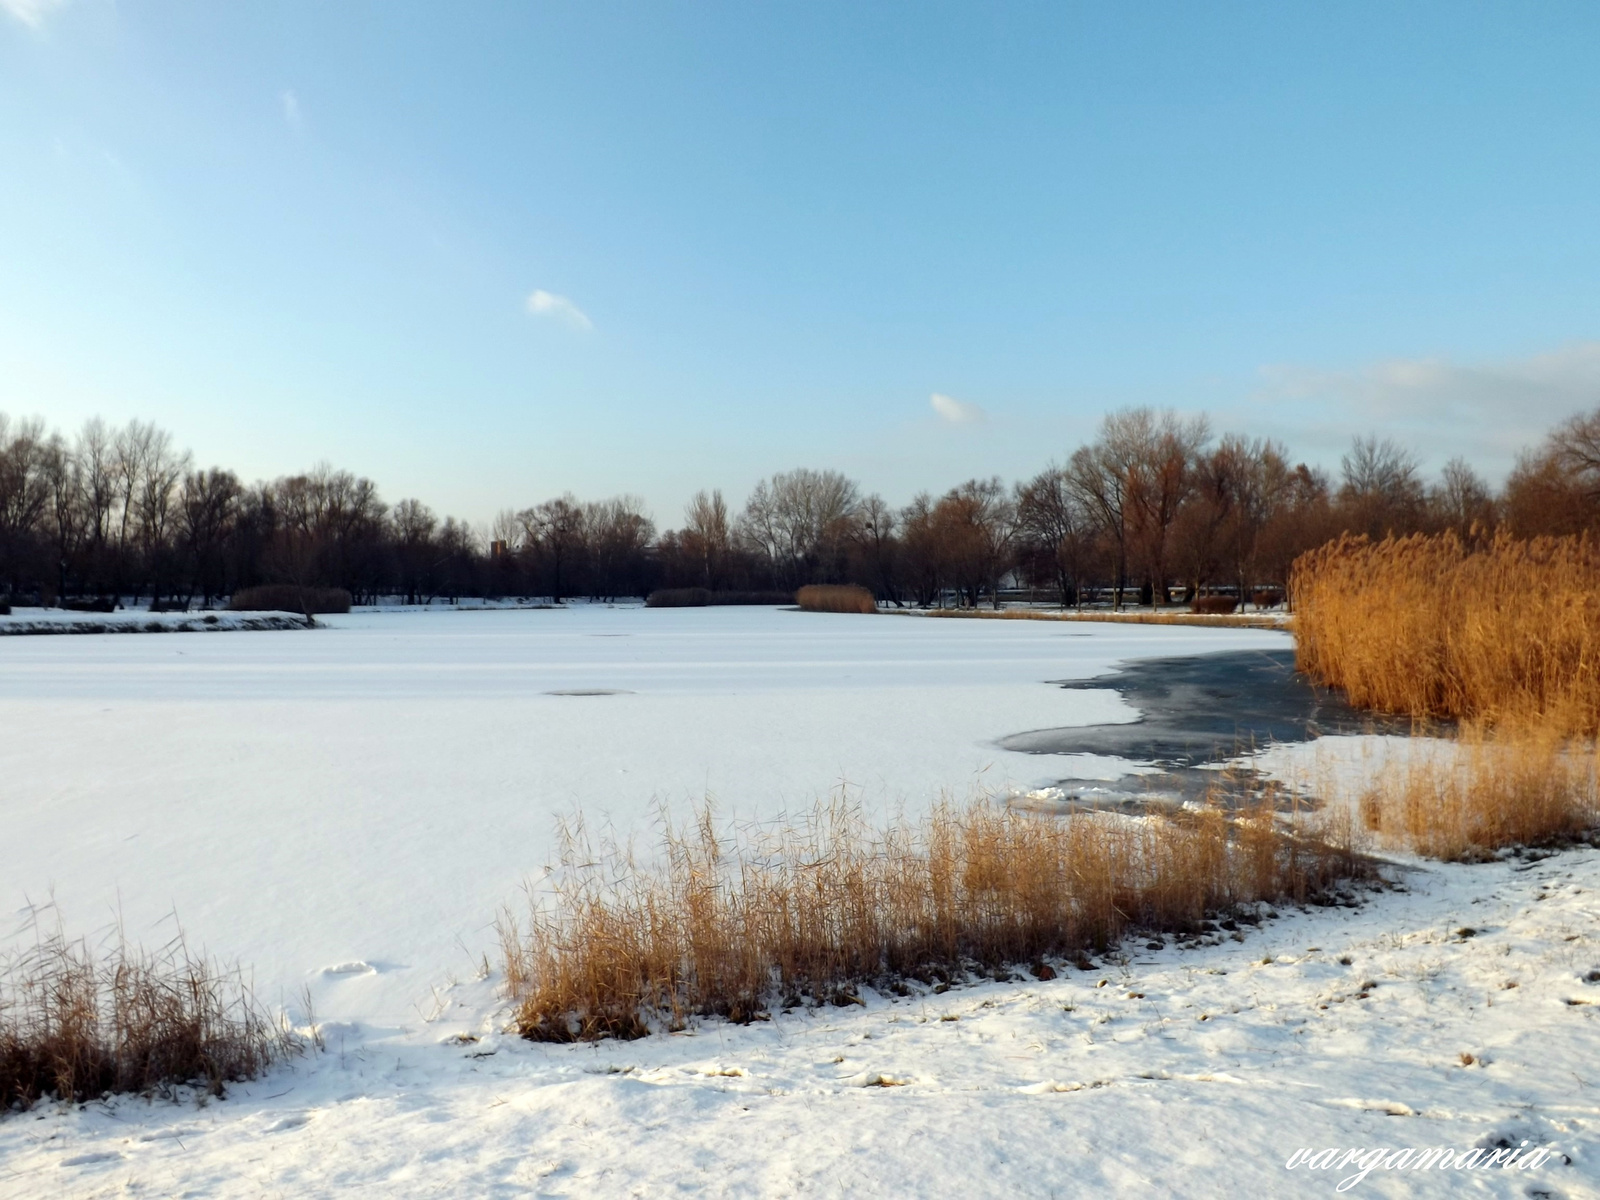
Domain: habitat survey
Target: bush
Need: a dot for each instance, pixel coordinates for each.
(678, 598)
(5, 606)
(1266, 598)
(1214, 605)
(840, 599)
(286, 597)
(102, 604)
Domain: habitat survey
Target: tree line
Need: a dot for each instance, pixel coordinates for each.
(1153, 505)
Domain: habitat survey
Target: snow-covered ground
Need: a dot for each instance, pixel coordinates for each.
(346, 807)
(1457, 1014)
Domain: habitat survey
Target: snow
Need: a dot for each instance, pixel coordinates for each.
(344, 809)
(1174, 1072)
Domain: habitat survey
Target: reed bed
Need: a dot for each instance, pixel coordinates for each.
(76, 1025)
(1485, 791)
(1504, 631)
(838, 598)
(736, 923)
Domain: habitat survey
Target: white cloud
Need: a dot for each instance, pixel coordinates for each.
(954, 411)
(1486, 411)
(30, 12)
(291, 106)
(559, 308)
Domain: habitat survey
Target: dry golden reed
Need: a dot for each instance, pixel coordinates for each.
(1505, 631)
(731, 924)
(75, 1025)
(1485, 791)
(839, 598)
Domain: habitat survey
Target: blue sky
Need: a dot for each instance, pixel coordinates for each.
(487, 253)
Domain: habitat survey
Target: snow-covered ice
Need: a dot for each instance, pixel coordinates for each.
(375, 789)
(343, 809)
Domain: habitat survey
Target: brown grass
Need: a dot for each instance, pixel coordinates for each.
(838, 598)
(75, 1025)
(1427, 626)
(732, 924)
(1484, 792)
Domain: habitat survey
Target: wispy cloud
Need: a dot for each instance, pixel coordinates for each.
(558, 308)
(290, 104)
(1485, 410)
(953, 410)
(30, 12)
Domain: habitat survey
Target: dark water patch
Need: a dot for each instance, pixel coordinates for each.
(1194, 712)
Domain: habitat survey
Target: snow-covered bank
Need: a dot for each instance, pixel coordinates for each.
(1457, 1013)
(25, 621)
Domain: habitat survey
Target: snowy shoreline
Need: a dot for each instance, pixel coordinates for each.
(32, 622)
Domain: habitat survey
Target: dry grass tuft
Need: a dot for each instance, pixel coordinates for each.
(76, 1026)
(1484, 792)
(1508, 631)
(730, 924)
(839, 598)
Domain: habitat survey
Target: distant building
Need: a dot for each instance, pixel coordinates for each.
(497, 548)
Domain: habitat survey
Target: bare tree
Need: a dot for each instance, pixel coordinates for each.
(413, 523)
(1575, 447)
(553, 533)
(1135, 479)
(875, 524)
(619, 535)
(1461, 500)
(207, 511)
(1382, 491)
(24, 495)
(799, 521)
(1097, 479)
(706, 536)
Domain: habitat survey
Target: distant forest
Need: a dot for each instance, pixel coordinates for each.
(1154, 504)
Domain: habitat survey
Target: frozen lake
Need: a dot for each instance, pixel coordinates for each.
(374, 790)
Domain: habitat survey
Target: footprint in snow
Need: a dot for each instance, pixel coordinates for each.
(85, 1160)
